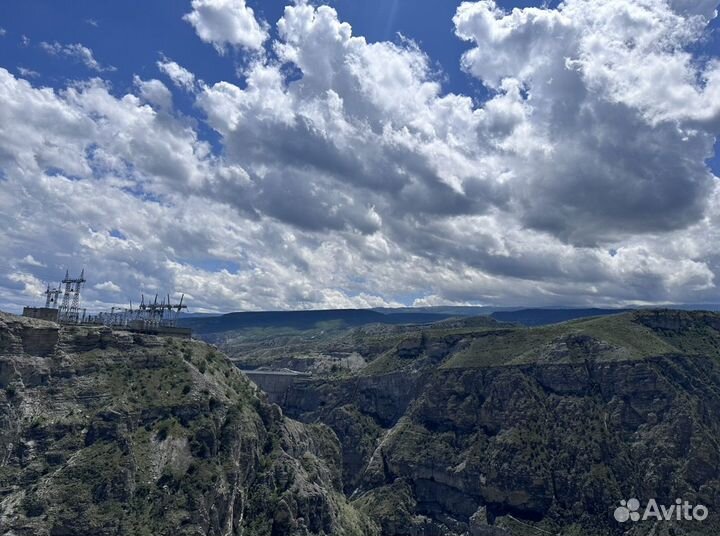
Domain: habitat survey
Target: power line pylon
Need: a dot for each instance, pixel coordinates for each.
(51, 297)
(70, 309)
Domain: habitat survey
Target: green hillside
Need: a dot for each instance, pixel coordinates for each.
(627, 336)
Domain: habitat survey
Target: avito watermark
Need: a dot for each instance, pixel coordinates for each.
(680, 511)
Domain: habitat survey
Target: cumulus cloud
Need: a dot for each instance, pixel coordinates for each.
(180, 76)
(31, 285)
(627, 116)
(27, 73)
(357, 181)
(549, 136)
(562, 146)
(364, 131)
(133, 209)
(107, 286)
(31, 261)
(227, 22)
(154, 92)
(77, 52)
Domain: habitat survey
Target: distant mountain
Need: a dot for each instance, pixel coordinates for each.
(303, 320)
(546, 315)
(696, 306)
(204, 324)
(542, 317)
(198, 315)
(452, 310)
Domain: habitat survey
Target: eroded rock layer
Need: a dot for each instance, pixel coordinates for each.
(112, 433)
(517, 431)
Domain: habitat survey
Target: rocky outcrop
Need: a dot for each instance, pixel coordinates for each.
(22, 336)
(672, 321)
(531, 431)
(557, 446)
(358, 409)
(112, 433)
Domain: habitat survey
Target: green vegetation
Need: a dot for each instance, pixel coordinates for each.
(327, 347)
(609, 338)
(491, 425)
(145, 436)
(158, 436)
(333, 350)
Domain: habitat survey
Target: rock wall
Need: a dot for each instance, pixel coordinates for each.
(110, 433)
(556, 446)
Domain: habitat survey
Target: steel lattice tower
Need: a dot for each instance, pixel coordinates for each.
(65, 307)
(70, 309)
(52, 297)
(75, 307)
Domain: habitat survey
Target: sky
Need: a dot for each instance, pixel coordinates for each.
(270, 155)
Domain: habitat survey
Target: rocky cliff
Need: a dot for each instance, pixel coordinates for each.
(531, 431)
(112, 433)
(449, 430)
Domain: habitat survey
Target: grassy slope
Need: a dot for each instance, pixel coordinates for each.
(482, 342)
(329, 341)
(622, 337)
(444, 334)
(611, 338)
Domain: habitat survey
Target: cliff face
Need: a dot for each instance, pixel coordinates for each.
(107, 432)
(521, 431)
(559, 446)
(452, 430)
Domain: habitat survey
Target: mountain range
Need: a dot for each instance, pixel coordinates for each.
(464, 426)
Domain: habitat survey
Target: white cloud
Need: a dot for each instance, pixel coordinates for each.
(76, 51)
(161, 236)
(551, 149)
(154, 92)
(107, 286)
(365, 131)
(27, 73)
(31, 261)
(359, 182)
(3, 31)
(180, 76)
(227, 22)
(31, 285)
(625, 113)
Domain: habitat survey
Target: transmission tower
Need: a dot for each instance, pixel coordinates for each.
(154, 313)
(51, 297)
(65, 307)
(70, 309)
(75, 307)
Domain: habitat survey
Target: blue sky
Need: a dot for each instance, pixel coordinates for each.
(562, 152)
(131, 35)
